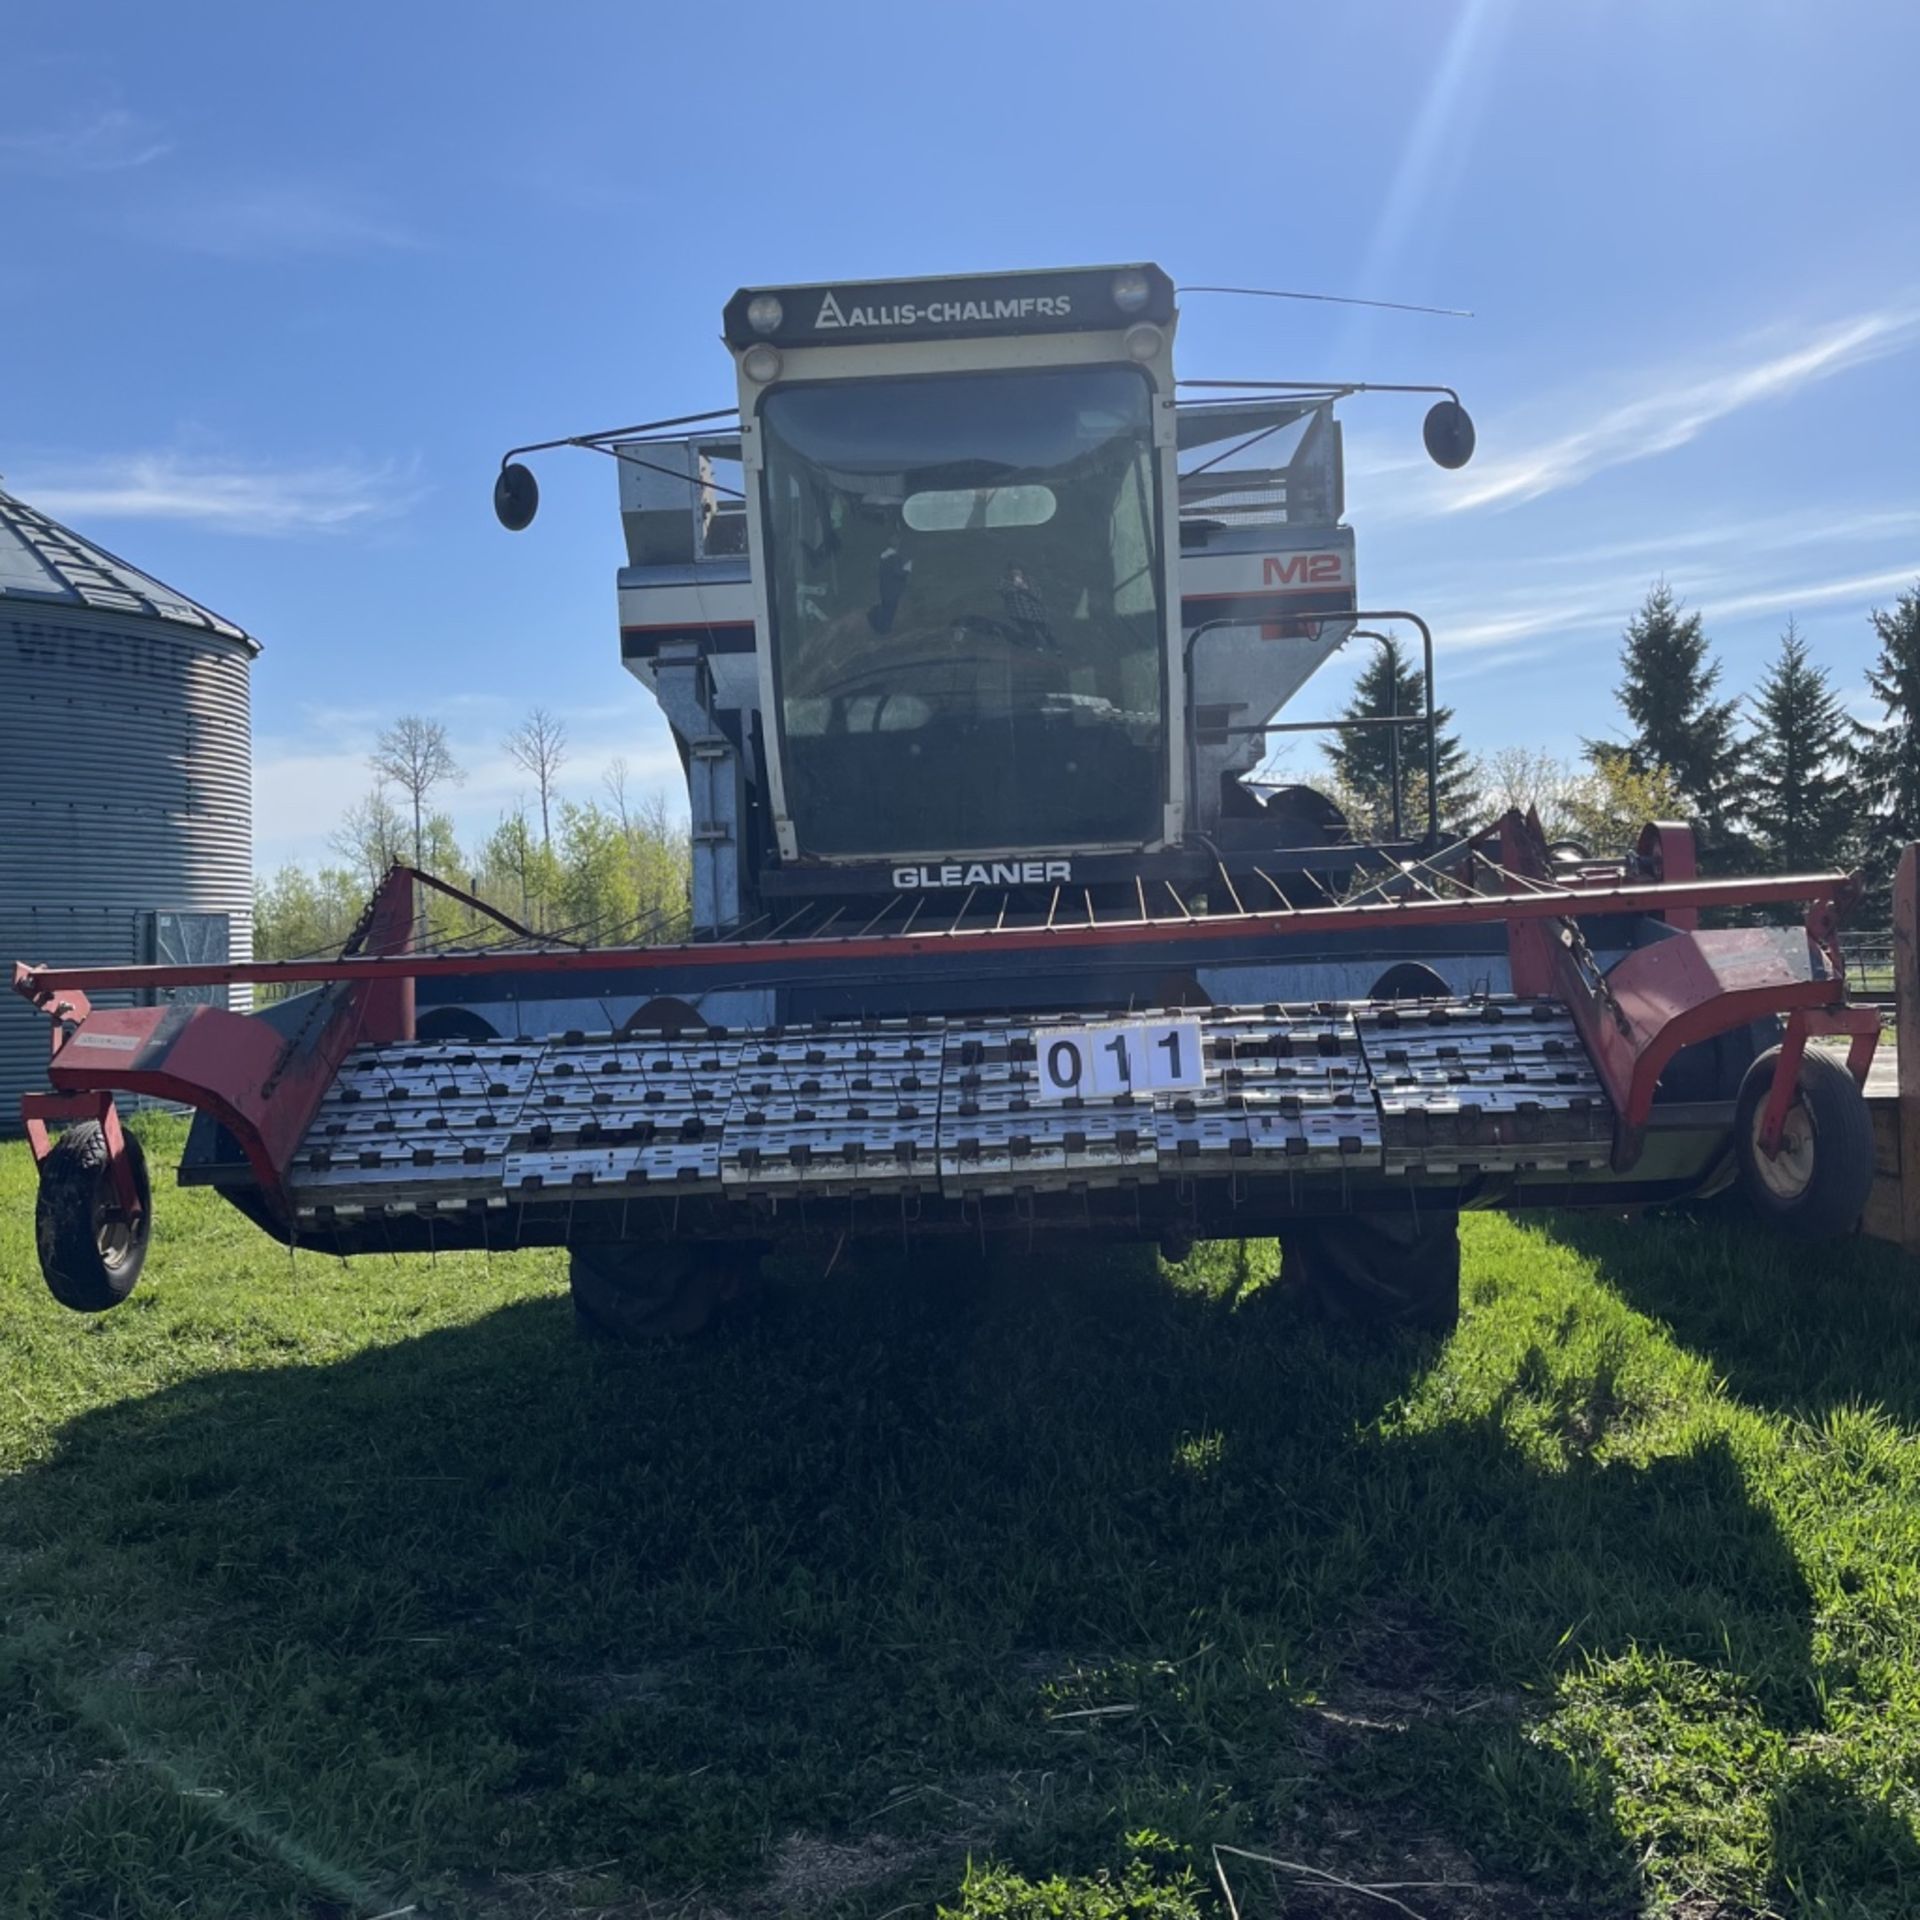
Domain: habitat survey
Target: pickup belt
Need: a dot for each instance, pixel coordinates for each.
(948, 1107)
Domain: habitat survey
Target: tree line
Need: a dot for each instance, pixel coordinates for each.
(1783, 779)
(612, 866)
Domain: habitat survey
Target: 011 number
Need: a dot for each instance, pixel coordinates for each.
(1118, 1057)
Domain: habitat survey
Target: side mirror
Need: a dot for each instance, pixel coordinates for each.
(1448, 432)
(516, 497)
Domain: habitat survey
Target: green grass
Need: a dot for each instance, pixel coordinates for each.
(1013, 1591)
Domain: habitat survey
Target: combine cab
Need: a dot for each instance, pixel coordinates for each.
(972, 631)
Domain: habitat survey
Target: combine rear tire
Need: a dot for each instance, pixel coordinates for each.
(90, 1252)
(640, 1293)
(1816, 1186)
(1398, 1269)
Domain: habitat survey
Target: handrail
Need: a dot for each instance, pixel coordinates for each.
(1425, 719)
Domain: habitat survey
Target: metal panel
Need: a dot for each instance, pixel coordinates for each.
(126, 790)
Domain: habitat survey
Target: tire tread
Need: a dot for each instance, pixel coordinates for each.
(70, 1259)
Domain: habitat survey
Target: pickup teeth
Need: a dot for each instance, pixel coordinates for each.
(1436, 1088)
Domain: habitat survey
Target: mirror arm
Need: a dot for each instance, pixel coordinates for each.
(595, 441)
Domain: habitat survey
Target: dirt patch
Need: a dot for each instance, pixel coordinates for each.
(1393, 1672)
(562, 1893)
(1427, 1875)
(809, 1873)
(1398, 1648)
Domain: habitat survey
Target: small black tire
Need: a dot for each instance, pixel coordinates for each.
(638, 1293)
(90, 1252)
(1380, 1270)
(1816, 1188)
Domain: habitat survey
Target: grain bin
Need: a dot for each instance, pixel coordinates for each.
(126, 774)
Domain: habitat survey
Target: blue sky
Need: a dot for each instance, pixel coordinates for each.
(277, 285)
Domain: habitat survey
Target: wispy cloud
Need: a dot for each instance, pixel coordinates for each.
(1670, 410)
(1520, 622)
(280, 221)
(225, 496)
(1653, 412)
(1490, 628)
(1730, 568)
(112, 141)
(1816, 593)
(1506, 622)
(1738, 541)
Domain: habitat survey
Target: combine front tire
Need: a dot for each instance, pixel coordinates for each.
(1816, 1186)
(638, 1293)
(90, 1251)
(1399, 1269)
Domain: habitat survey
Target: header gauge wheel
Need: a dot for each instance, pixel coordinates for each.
(1816, 1186)
(90, 1251)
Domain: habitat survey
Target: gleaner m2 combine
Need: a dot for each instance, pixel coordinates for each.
(972, 629)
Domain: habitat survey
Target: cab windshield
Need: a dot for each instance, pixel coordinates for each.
(964, 576)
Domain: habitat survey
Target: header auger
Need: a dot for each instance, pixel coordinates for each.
(972, 630)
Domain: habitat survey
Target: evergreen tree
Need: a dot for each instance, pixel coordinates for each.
(1802, 803)
(1363, 758)
(1887, 752)
(1667, 680)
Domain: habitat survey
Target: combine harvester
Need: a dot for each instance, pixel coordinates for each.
(972, 626)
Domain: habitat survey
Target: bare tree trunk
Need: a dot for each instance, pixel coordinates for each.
(413, 754)
(539, 745)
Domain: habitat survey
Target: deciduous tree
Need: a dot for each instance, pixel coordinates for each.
(1601, 806)
(1609, 806)
(538, 745)
(413, 754)
(371, 835)
(516, 873)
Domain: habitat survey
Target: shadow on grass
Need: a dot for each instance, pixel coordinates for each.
(1836, 1851)
(919, 1563)
(1792, 1326)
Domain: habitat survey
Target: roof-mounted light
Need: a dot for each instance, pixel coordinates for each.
(1131, 291)
(764, 313)
(1144, 342)
(761, 364)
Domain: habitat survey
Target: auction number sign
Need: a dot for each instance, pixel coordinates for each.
(1120, 1056)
